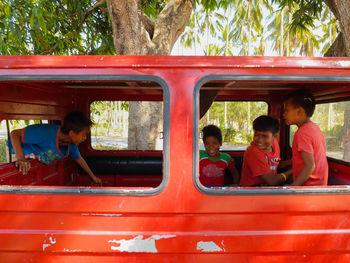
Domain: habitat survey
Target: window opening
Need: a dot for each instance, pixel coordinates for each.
(334, 121)
(234, 118)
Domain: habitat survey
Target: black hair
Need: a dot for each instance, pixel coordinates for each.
(302, 98)
(75, 121)
(266, 123)
(212, 131)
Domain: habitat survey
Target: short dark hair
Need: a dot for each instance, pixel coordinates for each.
(212, 131)
(266, 123)
(75, 121)
(302, 98)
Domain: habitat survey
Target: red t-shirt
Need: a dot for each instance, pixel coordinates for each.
(309, 138)
(258, 162)
(212, 171)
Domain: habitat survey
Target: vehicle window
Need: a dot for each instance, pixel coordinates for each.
(334, 121)
(116, 126)
(234, 118)
(126, 147)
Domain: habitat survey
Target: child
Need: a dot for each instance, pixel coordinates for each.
(49, 142)
(213, 164)
(262, 157)
(310, 165)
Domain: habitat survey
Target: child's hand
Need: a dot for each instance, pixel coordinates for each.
(97, 181)
(23, 165)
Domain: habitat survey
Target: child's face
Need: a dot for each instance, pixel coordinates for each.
(291, 114)
(79, 137)
(212, 146)
(263, 140)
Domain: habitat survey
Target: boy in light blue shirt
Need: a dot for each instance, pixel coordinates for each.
(49, 142)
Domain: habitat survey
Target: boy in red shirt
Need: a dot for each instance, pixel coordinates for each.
(213, 164)
(310, 166)
(262, 157)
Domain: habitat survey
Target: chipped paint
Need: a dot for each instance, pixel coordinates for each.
(98, 214)
(223, 246)
(138, 244)
(208, 246)
(343, 63)
(47, 244)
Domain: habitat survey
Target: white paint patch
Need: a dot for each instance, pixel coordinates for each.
(98, 214)
(208, 246)
(138, 244)
(47, 244)
(344, 63)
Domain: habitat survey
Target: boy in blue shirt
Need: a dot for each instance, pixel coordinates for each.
(49, 142)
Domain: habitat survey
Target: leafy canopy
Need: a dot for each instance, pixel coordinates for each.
(58, 27)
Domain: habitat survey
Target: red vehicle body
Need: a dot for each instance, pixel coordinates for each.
(53, 215)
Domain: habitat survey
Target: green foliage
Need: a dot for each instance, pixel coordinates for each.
(152, 8)
(237, 129)
(305, 13)
(330, 118)
(78, 27)
(54, 27)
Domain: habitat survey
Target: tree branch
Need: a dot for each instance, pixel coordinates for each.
(169, 25)
(48, 51)
(129, 33)
(96, 5)
(148, 24)
(337, 49)
(341, 10)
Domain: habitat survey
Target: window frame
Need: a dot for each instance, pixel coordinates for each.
(100, 191)
(275, 190)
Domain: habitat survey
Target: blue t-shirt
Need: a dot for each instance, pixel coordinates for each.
(41, 140)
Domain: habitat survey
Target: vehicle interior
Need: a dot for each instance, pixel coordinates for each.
(331, 114)
(106, 149)
(119, 166)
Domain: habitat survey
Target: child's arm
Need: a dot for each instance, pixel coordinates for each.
(285, 163)
(22, 163)
(87, 169)
(276, 179)
(235, 175)
(306, 171)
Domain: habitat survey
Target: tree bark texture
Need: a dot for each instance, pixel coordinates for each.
(136, 34)
(144, 134)
(341, 10)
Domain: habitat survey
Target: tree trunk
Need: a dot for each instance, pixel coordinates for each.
(341, 10)
(341, 48)
(144, 134)
(135, 34)
(346, 132)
